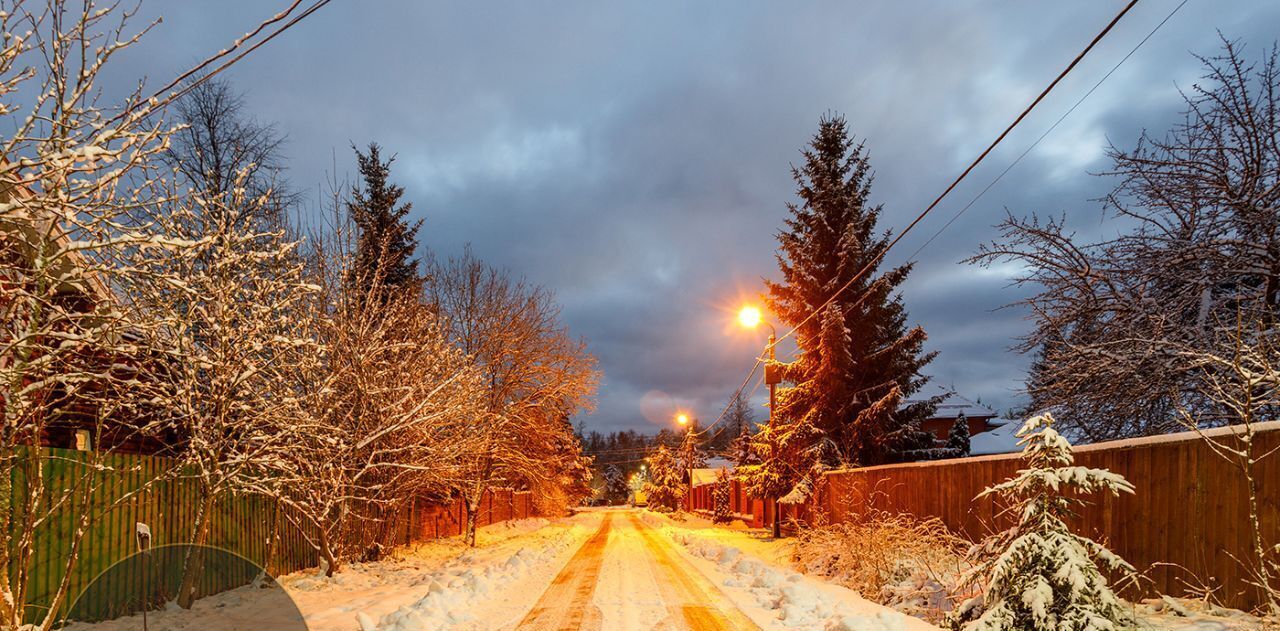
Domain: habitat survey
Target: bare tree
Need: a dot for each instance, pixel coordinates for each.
(76, 173)
(1202, 243)
(535, 377)
(387, 408)
(1244, 382)
(217, 145)
(228, 346)
(72, 174)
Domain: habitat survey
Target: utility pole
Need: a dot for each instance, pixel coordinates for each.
(750, 318)
(772, 378)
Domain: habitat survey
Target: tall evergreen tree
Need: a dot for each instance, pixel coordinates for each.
(386, 239)
(858, 359)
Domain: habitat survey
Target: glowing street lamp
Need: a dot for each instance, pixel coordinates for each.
(750, 317)
(683, 420)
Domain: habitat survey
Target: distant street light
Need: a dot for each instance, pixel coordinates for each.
(750, 317)
(685, 454)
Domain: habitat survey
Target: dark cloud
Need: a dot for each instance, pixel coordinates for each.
(635, 158)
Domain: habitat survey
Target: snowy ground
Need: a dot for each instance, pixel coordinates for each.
(437, 585)
(600, 569)
(755, 573)
(756, 591)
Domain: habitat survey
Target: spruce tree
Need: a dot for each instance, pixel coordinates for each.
(859, 361)
(721, 508)
(386, 240)
(958, 438)
(740, 450)
(615, 484)
(665, 486)
(1039, 575)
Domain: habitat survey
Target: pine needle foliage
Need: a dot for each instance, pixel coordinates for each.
(1039, 575)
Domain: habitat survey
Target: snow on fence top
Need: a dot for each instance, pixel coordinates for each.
(1127, 443)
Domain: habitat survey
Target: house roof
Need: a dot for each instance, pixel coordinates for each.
(707, 475)
(952, 403)
(39, 228)
(1002, 439)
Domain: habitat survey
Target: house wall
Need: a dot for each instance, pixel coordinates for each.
(941, 427)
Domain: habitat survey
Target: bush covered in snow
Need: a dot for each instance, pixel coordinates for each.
(1038, 575)
(897, 560)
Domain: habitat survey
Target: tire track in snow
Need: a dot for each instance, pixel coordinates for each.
(566, 604)
(691, 598)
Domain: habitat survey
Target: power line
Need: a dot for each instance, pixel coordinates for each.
(754, 389)
(156, 102)
(736, 394)
(1046, 132)
(1028, 150)
(965, 173)
(972, 165)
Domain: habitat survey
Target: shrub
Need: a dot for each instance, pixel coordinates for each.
(897, 560)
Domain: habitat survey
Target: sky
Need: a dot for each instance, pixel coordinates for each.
(635, 158)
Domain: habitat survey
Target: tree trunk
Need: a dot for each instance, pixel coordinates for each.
(326, 553)
(470, 536)
(9, 616)
(194, 566)
(1265, 579)
(271, 543)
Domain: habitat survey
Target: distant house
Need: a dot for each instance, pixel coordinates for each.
(979, 417)
(74, 421)
(707, 474)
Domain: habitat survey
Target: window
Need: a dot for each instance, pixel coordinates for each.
(84, 440)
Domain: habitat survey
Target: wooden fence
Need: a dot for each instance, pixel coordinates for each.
(131, 489)
(1190, 508)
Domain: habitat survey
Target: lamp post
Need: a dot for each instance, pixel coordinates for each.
(686, 453)
(750, 317)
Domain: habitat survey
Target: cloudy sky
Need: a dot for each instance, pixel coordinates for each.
(634, 158)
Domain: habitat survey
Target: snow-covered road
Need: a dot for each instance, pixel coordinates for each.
(600, 569)
(645, 584)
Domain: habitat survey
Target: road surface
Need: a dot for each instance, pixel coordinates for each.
(629, 576)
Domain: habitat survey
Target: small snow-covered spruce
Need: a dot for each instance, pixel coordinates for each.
(1038, 575)
(665, 486)
(740, 449)
(958, 439)
(721, 512)
(615, 484)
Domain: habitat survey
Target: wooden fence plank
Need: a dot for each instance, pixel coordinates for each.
(1190, 506)
(239, 524)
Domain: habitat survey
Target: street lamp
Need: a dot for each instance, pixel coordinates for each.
(685, 455)
(750, 317)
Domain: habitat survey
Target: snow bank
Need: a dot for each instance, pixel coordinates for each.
(454, 593)
(505, 567)
(779, 598)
